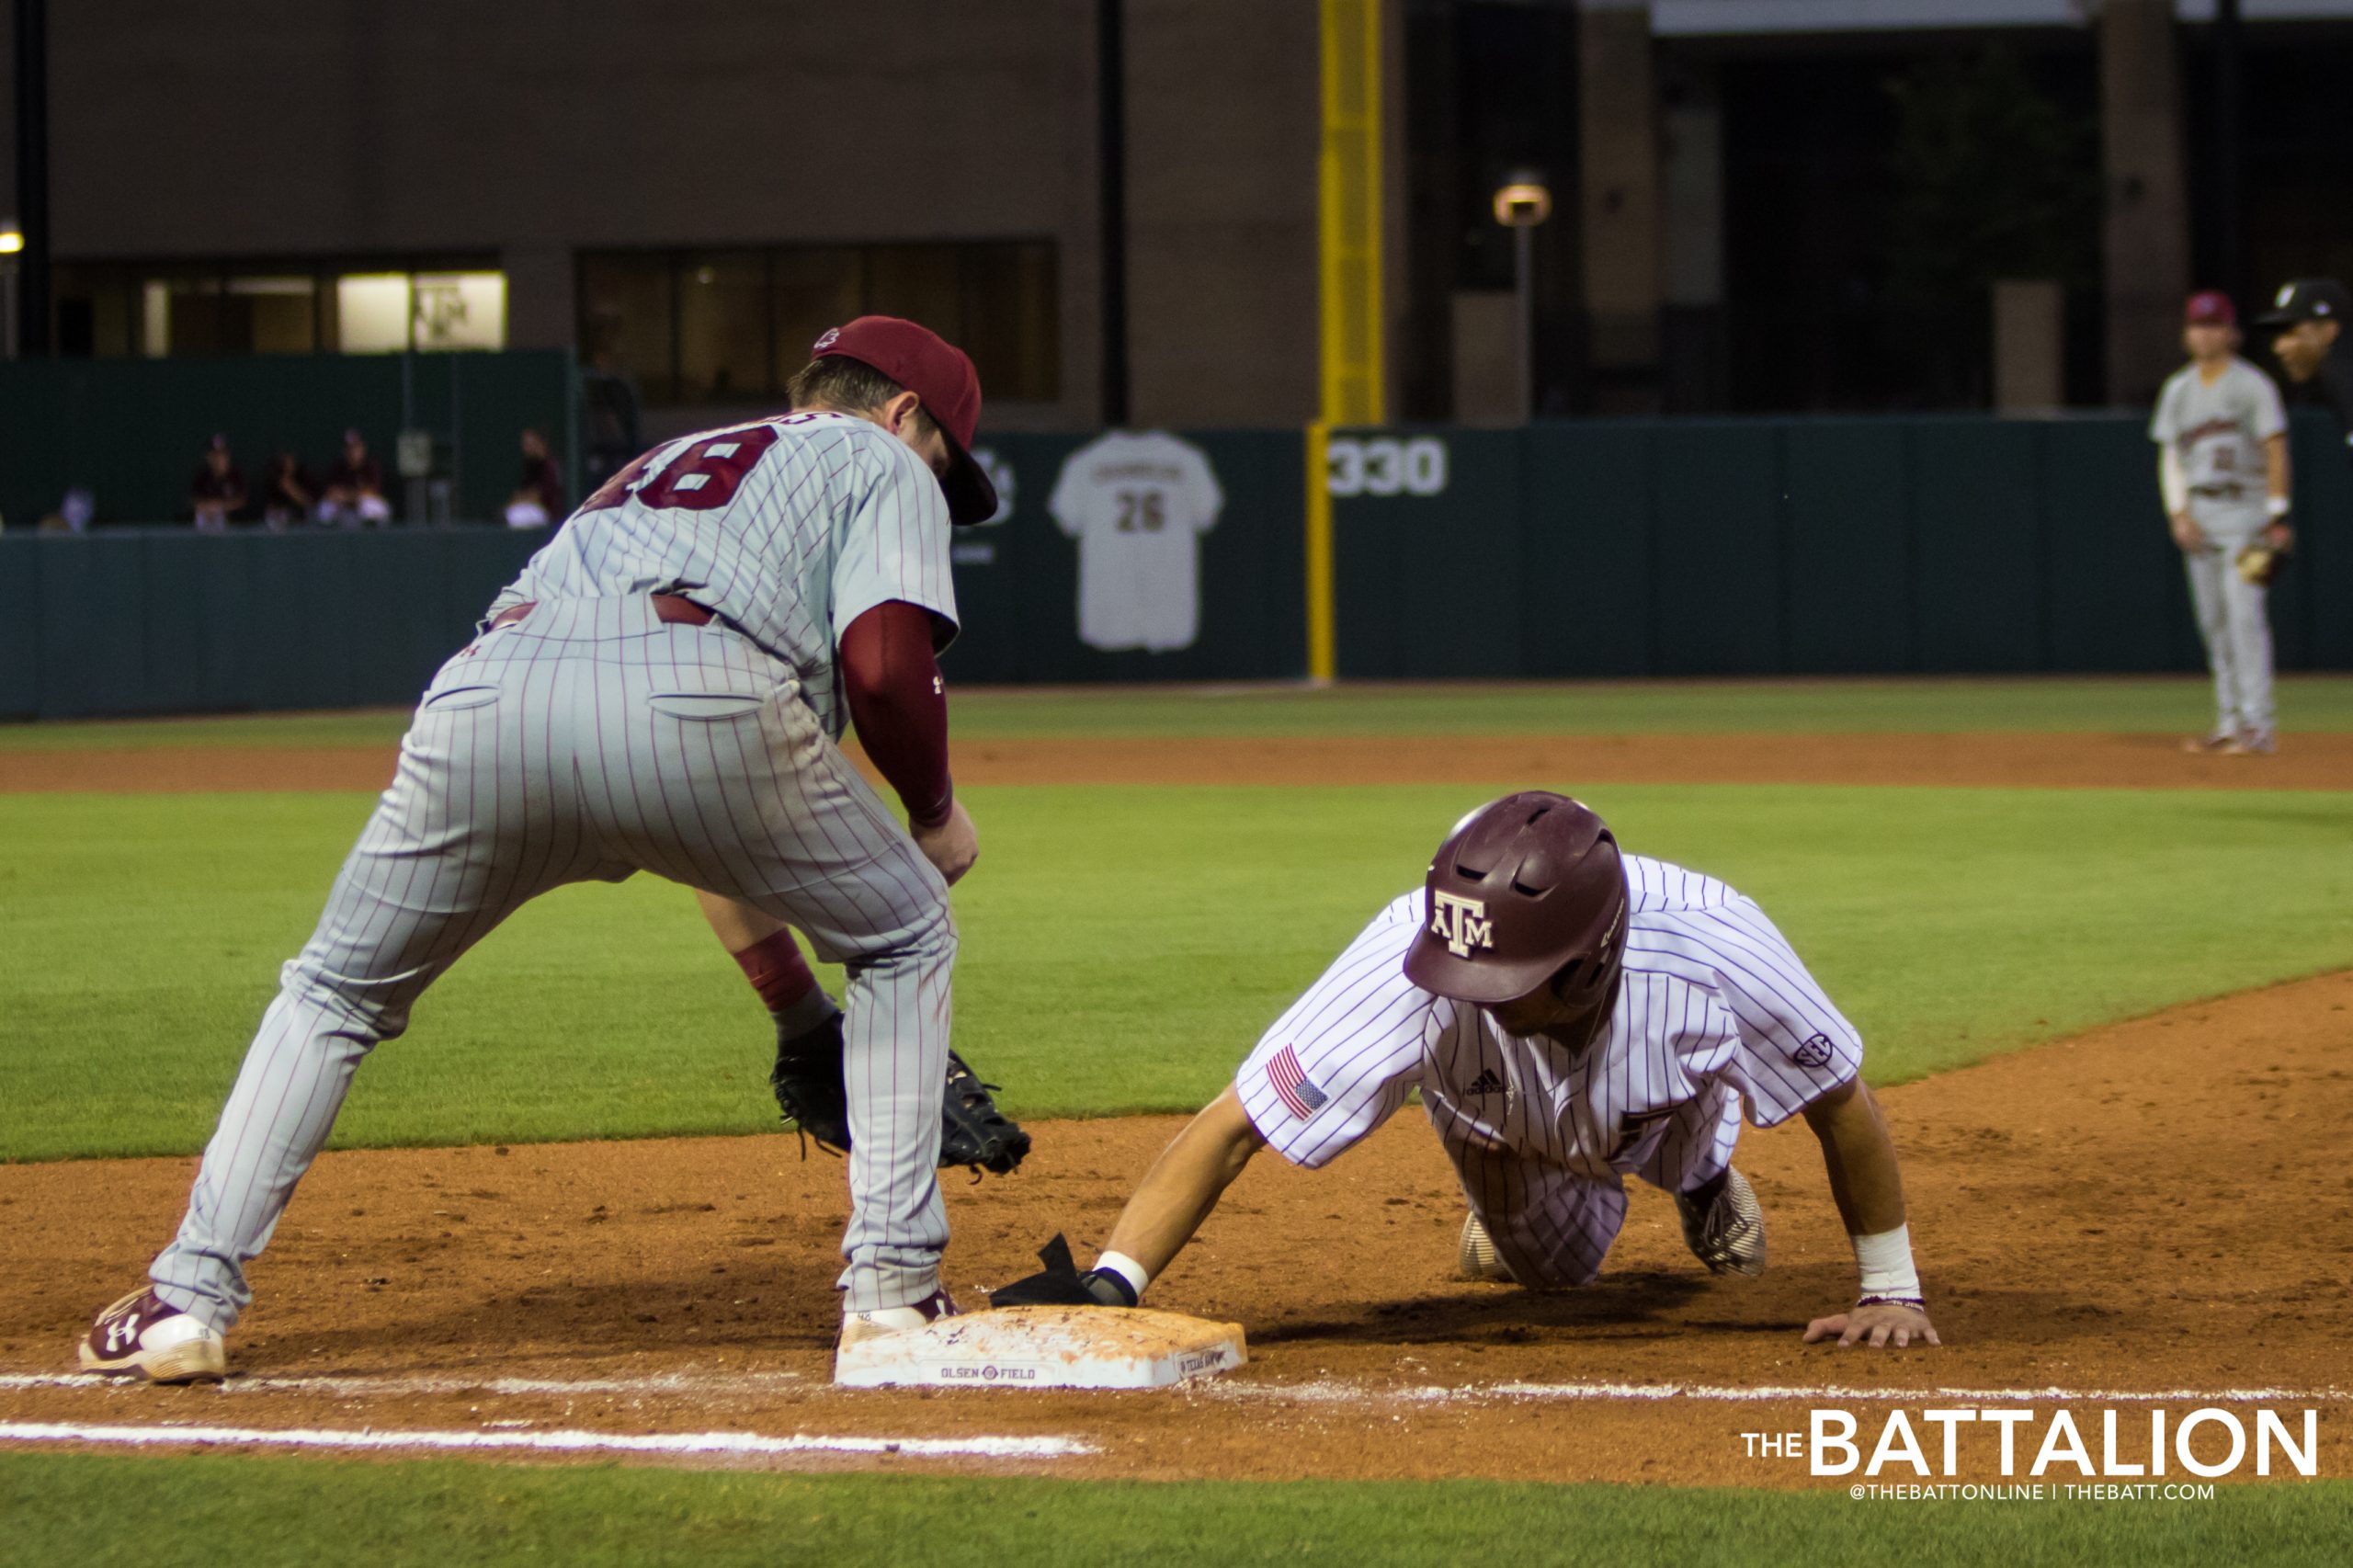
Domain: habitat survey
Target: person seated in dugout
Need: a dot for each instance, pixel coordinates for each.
(286, 497)
(354, 491)
(1571, 1016)
(539, 491)
(218, 491)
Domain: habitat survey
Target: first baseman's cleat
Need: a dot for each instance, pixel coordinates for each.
(858, 1327)
(2217, 742)
(142, 1336)
(1476, 1257)
(1726, 1232)
(2251, 742)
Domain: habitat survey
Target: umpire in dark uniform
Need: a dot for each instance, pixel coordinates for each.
(2309, 315)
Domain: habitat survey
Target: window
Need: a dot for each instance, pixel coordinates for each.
(457, 309)
(723, 326)
(179, 309)
(387, 312)
(628, 322)
(733, 326)
(371, 313)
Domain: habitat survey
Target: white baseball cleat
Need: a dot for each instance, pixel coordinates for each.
(1476, 1258)
(858, 1327)
(142, 1336)
(1727, 1235)
(2251, 742)
(2219, 741)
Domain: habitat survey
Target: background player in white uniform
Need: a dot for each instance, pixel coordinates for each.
(1138, 503)
(662, 690)
(1570, 1017)
(2221, 439)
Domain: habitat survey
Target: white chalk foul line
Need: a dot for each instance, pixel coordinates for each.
(697, 1383)
(556, 1442)
(1764, 1392)
(710, 1385)
(1358, 1393)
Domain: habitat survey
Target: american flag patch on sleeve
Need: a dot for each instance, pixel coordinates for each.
(1290, 1085)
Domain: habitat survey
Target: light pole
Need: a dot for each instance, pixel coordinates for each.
(1522, 202)
(11, 244)
(32, 178)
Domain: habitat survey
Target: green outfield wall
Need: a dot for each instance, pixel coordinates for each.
(1748, 547)
(133, 431)
(1879, 546)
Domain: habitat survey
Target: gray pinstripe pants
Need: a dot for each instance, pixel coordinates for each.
(2233, 620)
(1552, 1226)
(586, 743)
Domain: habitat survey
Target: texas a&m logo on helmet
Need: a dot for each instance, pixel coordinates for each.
(1461, 923)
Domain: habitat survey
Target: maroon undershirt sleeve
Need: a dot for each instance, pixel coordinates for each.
(891, 681)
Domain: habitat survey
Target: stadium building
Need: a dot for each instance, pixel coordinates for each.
(1754, 205)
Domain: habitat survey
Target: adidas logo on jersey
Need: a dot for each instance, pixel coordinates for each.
(1486, 1082)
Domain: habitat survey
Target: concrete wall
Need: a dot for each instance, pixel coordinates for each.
(2145, 236)
(1620, 221)
(1224, 124)
(533, 128)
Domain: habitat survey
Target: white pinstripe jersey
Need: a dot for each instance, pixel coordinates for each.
(790, 527)
(1713, 1002)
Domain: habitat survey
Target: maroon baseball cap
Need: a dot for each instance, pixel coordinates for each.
(942, 376)
(2210, 307)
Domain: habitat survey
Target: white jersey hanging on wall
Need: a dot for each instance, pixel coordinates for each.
(1137, 504)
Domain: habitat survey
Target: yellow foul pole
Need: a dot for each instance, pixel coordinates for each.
(1348, 259)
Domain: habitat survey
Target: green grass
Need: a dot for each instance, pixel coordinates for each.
(1123, 946)
(163, 1512)
(2139, 705)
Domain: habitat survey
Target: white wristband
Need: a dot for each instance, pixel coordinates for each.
(1127, 1268)
(2278, 505)
(1886, 1260)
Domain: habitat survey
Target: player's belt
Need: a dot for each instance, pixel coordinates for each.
(669, 607)
(2217, 492)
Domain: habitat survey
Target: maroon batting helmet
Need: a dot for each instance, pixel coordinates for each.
(1523, 889)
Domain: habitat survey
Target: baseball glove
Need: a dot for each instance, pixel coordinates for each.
(807, 1083)
(1059, 1284)
(2258, 563)
(977, 1135)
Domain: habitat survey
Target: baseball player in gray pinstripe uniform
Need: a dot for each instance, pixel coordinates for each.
(1571, 1016)
(2223, 468)
(663, 690)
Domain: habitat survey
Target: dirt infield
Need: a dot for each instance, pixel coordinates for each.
(2155, 1208)
(2054, 761)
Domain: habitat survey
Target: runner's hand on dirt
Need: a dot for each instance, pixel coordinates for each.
(953, 846)
(1878, 1323)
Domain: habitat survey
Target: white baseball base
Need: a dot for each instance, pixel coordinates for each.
(1045, 1347)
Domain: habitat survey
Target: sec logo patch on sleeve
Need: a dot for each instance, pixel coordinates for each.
(1816, 1051)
